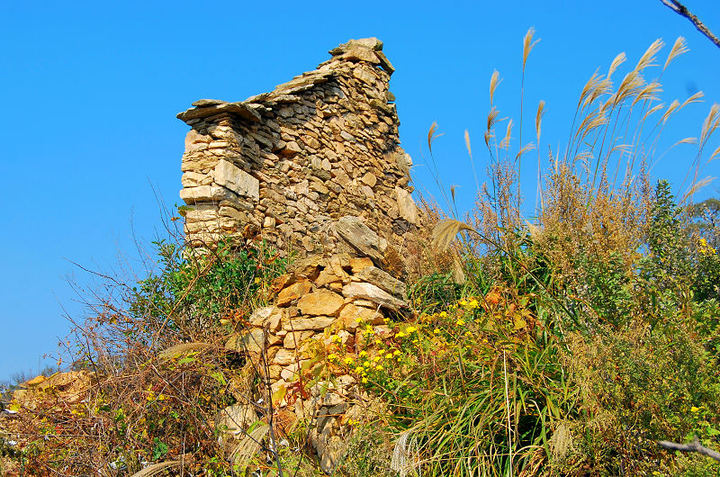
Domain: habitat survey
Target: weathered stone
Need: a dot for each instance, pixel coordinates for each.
(328, 276)
(309, 267)
(360, 237)
(353, 316)
(252, 341)
(360, 263)
(364, 75)
(294, 339)
(403, 162)
(284, 280)
(237, 180)
(239, 109)
(314, 323)
(285, 357)
(383, 280)
(369, 179)
(290, 149)
(406, 205)
(205, 193)
(369, 43)
(294, 292)
(269, 316)
(193, 179)
(321, 302)
(208, 102)
(68, 388)
(375, 294)
(332, 399)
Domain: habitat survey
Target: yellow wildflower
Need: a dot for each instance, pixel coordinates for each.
(474, 303)
(396, 352)
(460, 322)
(364, 380)
(694, 409)
(379, 367)
(436, 331)
(400, 334)
(359, 369)
(443, 314)
(332, 357)
(410, 329)
(363, 353)
(389, 356)
(348, 360)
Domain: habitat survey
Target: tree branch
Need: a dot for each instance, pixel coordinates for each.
(682, 10)
(694, 446)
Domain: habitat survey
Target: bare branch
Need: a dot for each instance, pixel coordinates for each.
(694, 446)
(682, 10)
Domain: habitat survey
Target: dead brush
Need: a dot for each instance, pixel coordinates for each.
(161, 376)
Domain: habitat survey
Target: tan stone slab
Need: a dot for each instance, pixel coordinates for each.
(353, 316)
(314, 323)
(375, 294)
(294, 292)
(321, 302)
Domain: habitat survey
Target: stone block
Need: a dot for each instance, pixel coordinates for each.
(235, 179)
(321, 302)
(207, 193)
(406, 206)
(352, 316)
(318, 323)
(294, 339)
(375, 294)
(294, 292)
(383, 280)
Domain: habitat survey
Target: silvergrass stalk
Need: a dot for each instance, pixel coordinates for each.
(507, 410)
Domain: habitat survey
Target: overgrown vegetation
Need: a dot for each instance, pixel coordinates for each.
(575, 342)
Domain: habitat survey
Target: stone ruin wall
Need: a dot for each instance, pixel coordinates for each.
(315, 167)
(284, 166)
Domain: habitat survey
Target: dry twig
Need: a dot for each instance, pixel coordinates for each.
(682, 10)
(694, 446)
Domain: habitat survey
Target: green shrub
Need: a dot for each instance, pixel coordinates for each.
(201, 286)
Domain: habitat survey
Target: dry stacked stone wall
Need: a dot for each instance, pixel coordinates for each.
(284, 166)
(313, 167)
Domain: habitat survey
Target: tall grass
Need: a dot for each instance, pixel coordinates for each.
(610, 273)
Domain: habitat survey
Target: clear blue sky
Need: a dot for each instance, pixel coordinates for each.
(90, 90)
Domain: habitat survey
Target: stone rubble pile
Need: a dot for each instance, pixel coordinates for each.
(341, 300)
(285, 165)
